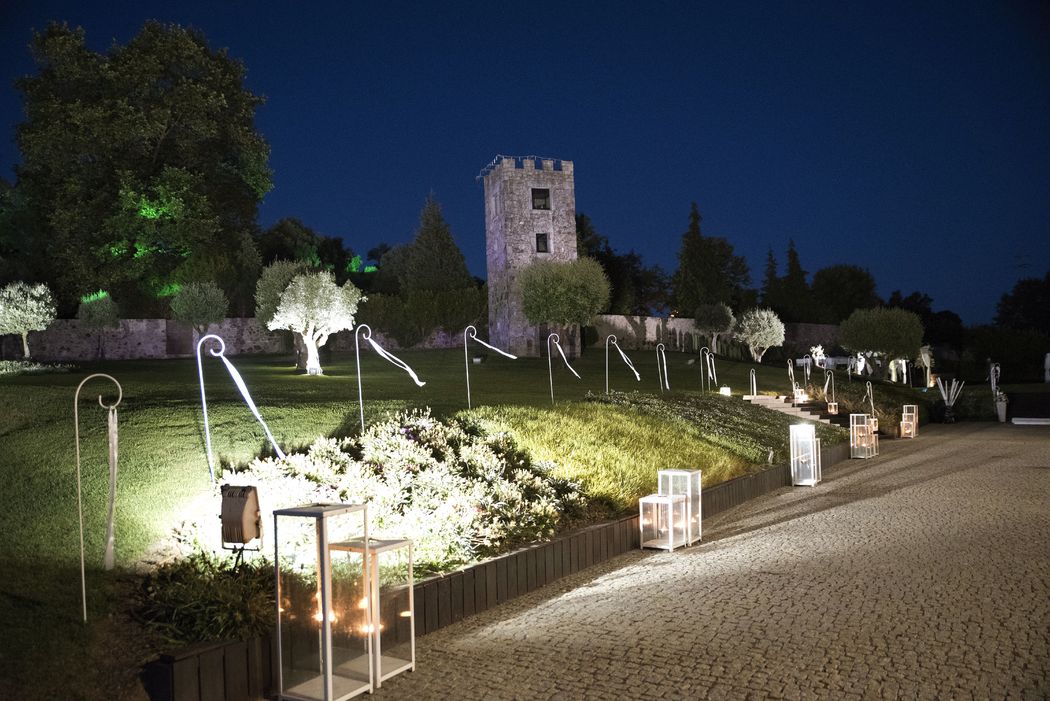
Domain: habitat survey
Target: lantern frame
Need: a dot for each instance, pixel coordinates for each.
(388, 665)
(863, 439)
(687, 483)
(322, 678)
(805, 455)
(910, 421)
(665, 513)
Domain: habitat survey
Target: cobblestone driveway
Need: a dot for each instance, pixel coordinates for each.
(923, 573)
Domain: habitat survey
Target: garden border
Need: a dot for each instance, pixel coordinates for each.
(244, 670)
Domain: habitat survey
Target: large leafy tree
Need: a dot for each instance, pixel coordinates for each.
(1026, 306)
(840, 289)
(635, 287)
(563, 292)
(942, 328)
(891, 333)
(200, 304)
(141, 166)
(433, 260)
(708, 270)
(712, 320)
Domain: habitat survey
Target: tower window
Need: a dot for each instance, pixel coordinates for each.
(541, 198)
(541, 243)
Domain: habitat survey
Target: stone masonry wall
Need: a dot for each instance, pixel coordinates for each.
(511, 225)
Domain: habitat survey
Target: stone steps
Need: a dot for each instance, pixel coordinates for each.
(812, 411)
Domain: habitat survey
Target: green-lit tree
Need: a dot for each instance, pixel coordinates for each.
(760, 330)
(142, 165)
(200, 304)
(25, 308)
(314, 307)
(98, 312)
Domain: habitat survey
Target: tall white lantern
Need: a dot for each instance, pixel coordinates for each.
(324, 619)
(805, 455)
(910, 421)
(684, 483)
(393, 627)
(663, 521)
(863, 439)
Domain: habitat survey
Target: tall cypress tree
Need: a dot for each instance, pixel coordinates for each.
(434, 261)
(709, 271)
(689, 291)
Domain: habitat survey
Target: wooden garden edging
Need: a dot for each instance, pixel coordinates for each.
(244, 670)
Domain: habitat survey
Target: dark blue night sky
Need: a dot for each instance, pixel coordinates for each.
(914, 141)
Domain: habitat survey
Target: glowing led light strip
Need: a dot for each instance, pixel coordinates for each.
(627, 360)
(239, 382)
(564, 359)
(394, 360)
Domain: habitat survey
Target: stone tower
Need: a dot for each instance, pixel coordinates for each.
(530, 214)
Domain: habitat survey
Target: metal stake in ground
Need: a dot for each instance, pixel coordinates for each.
(473, 333)
(661, 368)
(111, 422)
(385, 355)
(612, 339)
(555, 338)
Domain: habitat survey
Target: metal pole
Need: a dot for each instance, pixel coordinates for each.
(608, 338)
(550, 369)
(754, 383)
(466, 359)
(204, 401)
(80, 503)
(357, 358)
(704, 352)
(661, 360)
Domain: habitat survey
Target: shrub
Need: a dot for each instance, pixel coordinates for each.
(200, 304)
(564, 293)
(457, 491)
(760, 329)
(204, 597)
(25, 367)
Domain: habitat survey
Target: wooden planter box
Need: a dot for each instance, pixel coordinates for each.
(243, 670)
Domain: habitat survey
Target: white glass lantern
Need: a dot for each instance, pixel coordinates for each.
(805, 455)
(910, 421)
(685, 483)
(324, 646)
(662, 520)
(725, 391)
(800, 396)
(833, 408)
(863, 441)
(393, 626)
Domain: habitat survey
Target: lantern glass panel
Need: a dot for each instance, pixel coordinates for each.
(322, 657)
(833, 408)
(684, 483)
(393, 626)
(863, 439)
(663, 521)
(805, 455)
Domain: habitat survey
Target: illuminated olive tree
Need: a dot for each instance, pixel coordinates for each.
(25, 308)
(200, 304)
(314, 307)
(563, 293)
(712, 320)
(760, 329)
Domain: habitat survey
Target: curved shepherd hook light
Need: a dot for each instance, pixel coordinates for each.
(661, 362)
(870, 397)
(754, 382)
(612, 339)
(994, 372)
(807, 360)
(237, 380)
(473, 333)
(111, 421)
(385, 355)
(791, 372)
(705, 352)
(550, 370)
(829, 376)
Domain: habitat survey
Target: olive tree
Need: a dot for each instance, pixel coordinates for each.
(563, 293)
(760, 330)
(99, 312)
(887, 332)
(314, 307)
(713, 320)
(25, 308)
(200, 304)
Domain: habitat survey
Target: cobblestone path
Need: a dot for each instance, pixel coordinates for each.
(923, 573)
